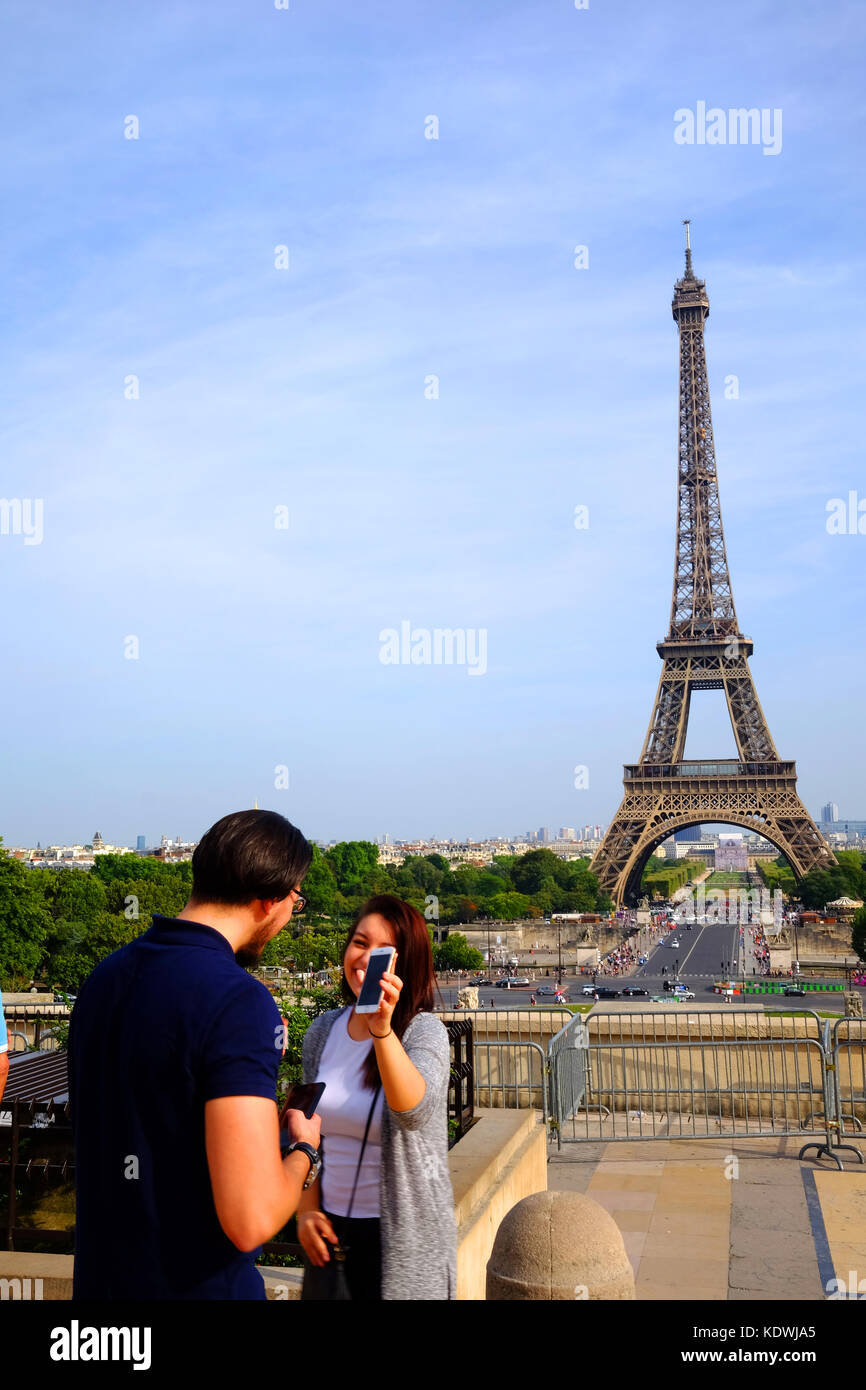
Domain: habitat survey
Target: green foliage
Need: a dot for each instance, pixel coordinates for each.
(455, 953)
(858, 933)
(298, 1017)
(352, 863)
(320, 886)
(822, 886)
(778, 874)
(57, 925)
(24, 922)
(509, 907)
(671, 877)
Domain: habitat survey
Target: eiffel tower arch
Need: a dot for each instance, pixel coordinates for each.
(704, 650)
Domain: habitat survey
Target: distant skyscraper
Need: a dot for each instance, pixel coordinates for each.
(689, 836)
(140, 845)
(830, 812)
(597, 832)
(566, 833)
(544, 834)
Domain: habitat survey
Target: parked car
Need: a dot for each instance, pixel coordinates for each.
(556, 991)
(482, 980)
(511, 980)
(794, 989)
(588, 990)
(605, 992)
(680, 992)
(630, 991)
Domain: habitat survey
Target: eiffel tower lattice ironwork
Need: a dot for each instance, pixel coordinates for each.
(704, 650)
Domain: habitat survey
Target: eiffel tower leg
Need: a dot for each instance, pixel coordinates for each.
(666, 735)
(754, 742)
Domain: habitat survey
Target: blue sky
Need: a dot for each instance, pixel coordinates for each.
(304, 388)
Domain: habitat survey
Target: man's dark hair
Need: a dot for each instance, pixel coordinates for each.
(249, 855)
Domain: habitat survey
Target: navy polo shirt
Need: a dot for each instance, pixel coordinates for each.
(159, 1028)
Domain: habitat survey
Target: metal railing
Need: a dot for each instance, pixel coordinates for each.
(849, 1073)
(568, 1075)
(35, 1147)
(511, 1053)
(461, 1079)
(707, 1075)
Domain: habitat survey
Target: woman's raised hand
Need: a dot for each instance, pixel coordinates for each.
(314, 1229)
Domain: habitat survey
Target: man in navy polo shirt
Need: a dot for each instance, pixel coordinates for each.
(173, 1057)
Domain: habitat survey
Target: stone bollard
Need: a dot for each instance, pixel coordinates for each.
(467, 998)
(559, 1246)
(853, 1003)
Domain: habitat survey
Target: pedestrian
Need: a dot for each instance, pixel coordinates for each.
(385, 1192)
(173, 1057)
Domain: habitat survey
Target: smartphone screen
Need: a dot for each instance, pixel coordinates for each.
(303, 1097)
(379, 963)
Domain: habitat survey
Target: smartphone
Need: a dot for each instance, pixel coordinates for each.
(303, 1097)
(380, 963)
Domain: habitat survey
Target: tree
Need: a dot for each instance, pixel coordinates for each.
(320, 886)
(508, 907)
(352, 863)
(24, 922)
(455, 953)
(858, 933)
(532, 870)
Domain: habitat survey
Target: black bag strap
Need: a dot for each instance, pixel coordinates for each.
(363, 1147)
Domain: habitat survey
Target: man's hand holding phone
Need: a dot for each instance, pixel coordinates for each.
(302, 1130)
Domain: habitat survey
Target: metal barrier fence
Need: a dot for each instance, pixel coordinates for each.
(709, 1074)
(511, 1053)
(677, 1073)
(567, 1056)
(849, 1074)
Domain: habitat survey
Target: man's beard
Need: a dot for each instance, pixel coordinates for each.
(250, 953)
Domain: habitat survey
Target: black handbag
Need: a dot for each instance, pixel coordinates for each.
(328, 1283)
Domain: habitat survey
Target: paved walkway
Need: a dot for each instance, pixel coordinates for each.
(726, 1219)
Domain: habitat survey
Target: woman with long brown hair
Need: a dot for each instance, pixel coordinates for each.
(382, 1205)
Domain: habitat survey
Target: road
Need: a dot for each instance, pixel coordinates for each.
(703, 955)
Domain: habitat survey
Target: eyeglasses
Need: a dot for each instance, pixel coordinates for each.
(299, 903)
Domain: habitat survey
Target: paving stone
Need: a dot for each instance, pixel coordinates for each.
(762, 1296)
(778, 1275)
(688, 1223)
(772, 1242)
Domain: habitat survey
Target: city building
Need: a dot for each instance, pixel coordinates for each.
(731, 854)
(829, 813)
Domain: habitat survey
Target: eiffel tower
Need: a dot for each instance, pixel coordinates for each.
(704, 650)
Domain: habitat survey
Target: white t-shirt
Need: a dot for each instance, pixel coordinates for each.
(344, 1108)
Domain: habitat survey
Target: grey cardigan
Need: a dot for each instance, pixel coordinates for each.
(418, 1229)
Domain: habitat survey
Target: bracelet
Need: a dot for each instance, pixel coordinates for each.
(381, 1035)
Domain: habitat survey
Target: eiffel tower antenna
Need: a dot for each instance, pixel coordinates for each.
(704, 650)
